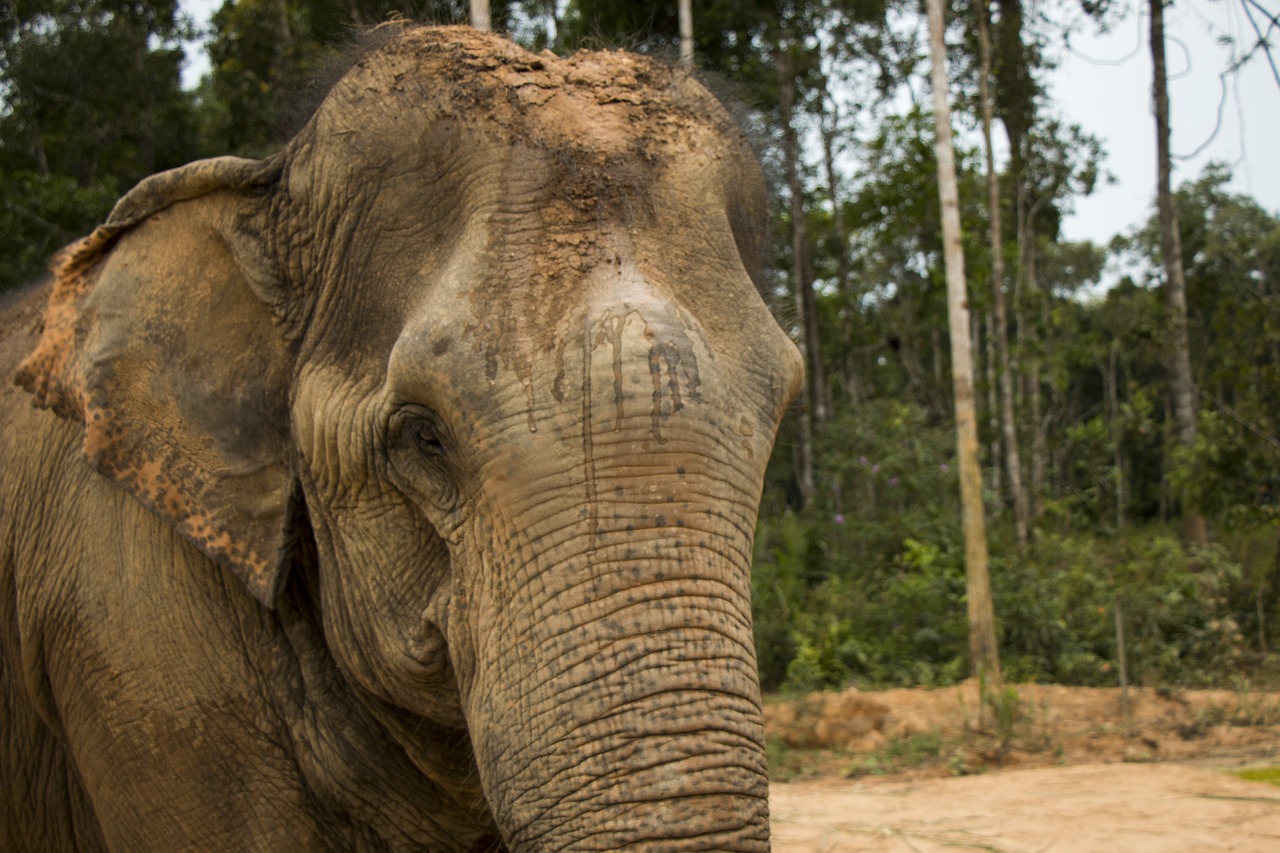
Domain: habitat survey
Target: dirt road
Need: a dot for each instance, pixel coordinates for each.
(1090, 808)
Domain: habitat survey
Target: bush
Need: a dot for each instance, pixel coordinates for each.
(825, 620)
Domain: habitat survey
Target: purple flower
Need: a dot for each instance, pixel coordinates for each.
(944, 467)
(893, 481)
(862, 460)
(839, 518)
(875, 469)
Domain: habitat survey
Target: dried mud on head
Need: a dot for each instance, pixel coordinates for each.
(605, 99)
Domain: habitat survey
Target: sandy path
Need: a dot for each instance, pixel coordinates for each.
(1126, 808)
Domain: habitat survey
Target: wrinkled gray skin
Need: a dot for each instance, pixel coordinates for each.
(397, 492)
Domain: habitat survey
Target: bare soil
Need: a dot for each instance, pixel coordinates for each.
(1051, 769)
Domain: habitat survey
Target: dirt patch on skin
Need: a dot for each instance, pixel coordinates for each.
(1055, 769)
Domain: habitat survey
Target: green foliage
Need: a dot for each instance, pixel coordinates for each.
(902, 621)
(1231, 255)
(91, 104)
(904, 753)
(1005, 708)
(787, 763)
(41, 213)
(864, 586)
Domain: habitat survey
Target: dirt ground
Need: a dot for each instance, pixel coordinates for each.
(1051, 769)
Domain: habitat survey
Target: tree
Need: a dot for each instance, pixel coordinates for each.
(1007, 418)
(1181, 382)
(686, 33)
(984, 653)
(480, 15)
(812, 407)
(92, 103)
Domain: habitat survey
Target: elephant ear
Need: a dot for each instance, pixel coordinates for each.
(160, 337)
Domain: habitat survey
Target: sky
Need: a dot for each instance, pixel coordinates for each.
(1103, 83)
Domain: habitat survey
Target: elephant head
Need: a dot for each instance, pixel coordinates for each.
(485, 335)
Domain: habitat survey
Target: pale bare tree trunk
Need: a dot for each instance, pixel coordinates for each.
(983, 652)
(480, 15)
(1182, 384)
(811, 406)
(686, 33)
(1008, 422)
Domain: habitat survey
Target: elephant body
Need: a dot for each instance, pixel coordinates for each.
(397, 492)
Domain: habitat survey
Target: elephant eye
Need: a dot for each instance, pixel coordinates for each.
(427, 439)
(421, 430)
(421, 456)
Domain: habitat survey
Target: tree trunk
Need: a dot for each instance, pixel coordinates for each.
(1181, 382)
(686, 33)
(37, 145)
(939, 364)
(1039, 439)
(147, 124)
(1025, 297)
(811, 406)
(480, 15)
(984, 654)
(849, 376)
(1008, 422)
(994, 422)
(1014, 99)
(1117, 429)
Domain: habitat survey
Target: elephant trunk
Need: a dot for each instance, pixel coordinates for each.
(602, 638)
(629, 718)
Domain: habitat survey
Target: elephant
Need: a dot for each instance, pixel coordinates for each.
(397, 491)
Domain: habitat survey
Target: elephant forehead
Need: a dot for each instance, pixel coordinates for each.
(605, 102)
(621, 345)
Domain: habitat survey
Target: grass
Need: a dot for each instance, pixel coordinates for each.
(901, 753)
(788, 762)
(1260, 774)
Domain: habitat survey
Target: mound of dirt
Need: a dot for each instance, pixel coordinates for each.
(1035, 725)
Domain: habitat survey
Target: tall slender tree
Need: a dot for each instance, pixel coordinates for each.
(686, 33)
(1003, 369)
(811, 408)
(830, 125)
(480, 15)
(983, 651)
(1182, 388)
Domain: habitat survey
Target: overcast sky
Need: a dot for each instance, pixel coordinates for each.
(1103, 83)
(1113, 101)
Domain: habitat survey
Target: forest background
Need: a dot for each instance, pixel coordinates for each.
(859, 573)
